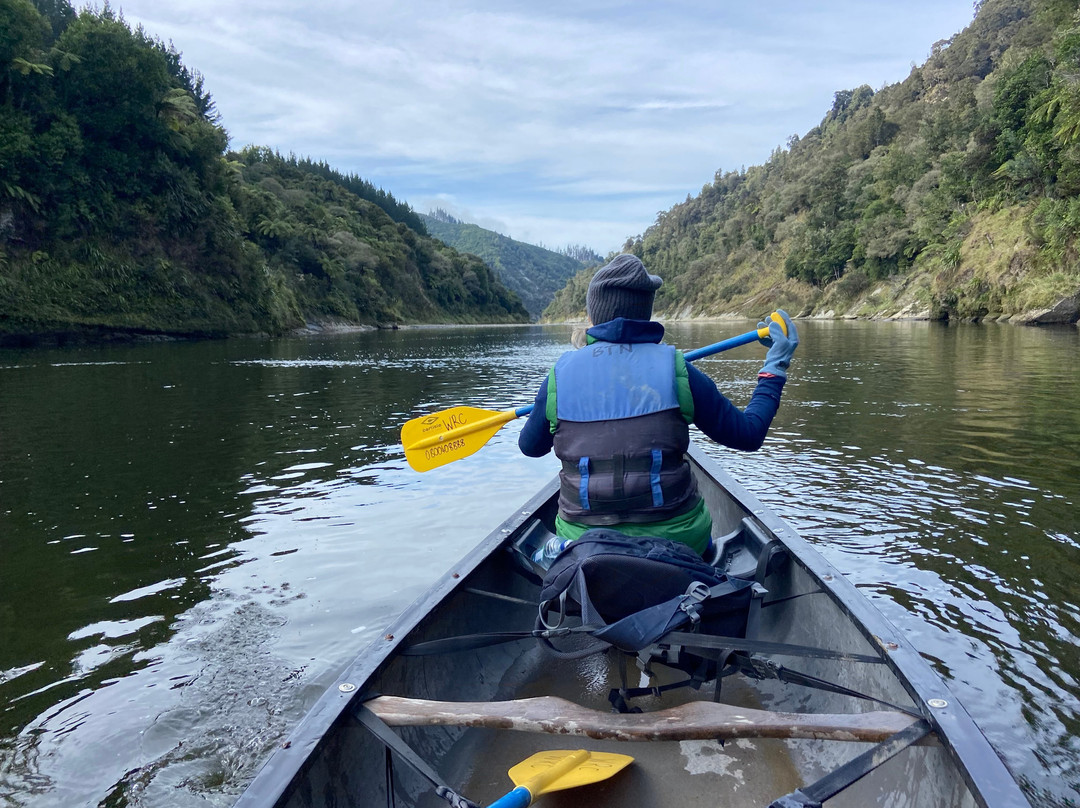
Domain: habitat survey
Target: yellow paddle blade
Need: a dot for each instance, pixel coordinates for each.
(443, 437)
(559, 769)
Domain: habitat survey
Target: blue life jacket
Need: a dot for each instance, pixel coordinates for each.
(620, 419)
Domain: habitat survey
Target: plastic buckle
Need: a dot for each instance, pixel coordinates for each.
(696, 594)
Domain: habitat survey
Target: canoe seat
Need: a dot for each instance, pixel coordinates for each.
(739, 552)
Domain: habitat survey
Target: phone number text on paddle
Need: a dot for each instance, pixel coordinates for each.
(443, 448)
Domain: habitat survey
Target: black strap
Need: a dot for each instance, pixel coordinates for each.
(767, 552)
(753, 616)
(619, 500)
(692, 642)
(640, 463)
(472, 590)
(721, 664)
(616, 504)
(393, 742)
(765, 669)
(464, 642)
(470, 642)
(619, 697)
(767, 603)
(388, 784)
(854, 770)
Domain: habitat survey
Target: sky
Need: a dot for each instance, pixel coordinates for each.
(552, 122)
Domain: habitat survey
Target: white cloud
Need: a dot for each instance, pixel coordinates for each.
(568, 122)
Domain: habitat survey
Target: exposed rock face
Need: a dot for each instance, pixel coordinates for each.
(1067, 310)
(913, 311)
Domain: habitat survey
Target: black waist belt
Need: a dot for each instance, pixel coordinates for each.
(636, 464)
(611, 516)
(619, 505)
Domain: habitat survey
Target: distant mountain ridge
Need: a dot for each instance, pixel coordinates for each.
(535, 273)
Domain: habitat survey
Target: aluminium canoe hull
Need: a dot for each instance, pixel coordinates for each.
(330, 759)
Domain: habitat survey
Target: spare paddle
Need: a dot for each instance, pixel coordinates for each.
(448, 435)
(553, 771)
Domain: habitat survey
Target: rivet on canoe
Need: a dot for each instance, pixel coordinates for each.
(937, 704)
(346, 687)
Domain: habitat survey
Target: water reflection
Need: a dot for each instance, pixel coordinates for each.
(939, 469)
(196, 537)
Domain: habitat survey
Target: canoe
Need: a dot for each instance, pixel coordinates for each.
(828, 703)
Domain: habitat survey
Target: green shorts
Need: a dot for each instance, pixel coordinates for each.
(692, 528)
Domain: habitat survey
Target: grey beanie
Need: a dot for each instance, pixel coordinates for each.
(621, 289)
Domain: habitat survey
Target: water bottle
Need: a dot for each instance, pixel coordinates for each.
(546, 554)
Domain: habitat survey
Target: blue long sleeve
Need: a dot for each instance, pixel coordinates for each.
(725, 423)
(536, 439)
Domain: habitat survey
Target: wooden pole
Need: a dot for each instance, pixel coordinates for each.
(696, 720)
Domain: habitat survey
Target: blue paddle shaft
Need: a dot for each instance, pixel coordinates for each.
(518, 798)
(725, 345)
(690, 356)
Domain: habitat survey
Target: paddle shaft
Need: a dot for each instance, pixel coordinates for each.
(524, 794)
(443, 437)
(520, 797)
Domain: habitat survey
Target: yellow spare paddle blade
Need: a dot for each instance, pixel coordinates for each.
(443, 437)
(556, 770)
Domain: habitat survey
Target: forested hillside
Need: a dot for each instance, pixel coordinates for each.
(535, 273)
(951, 194)
(120, 210)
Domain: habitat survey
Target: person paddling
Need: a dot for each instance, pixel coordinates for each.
(617, 413)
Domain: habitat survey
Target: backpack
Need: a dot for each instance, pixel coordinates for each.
(630, 591)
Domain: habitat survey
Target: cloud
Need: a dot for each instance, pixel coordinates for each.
(551, 117)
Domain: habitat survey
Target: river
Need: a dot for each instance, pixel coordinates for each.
(196, 537)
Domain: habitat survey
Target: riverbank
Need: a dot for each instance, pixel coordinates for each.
(902, 298)
(89, 336)
(881, 303)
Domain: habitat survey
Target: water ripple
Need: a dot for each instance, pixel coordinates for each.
(255, 525)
